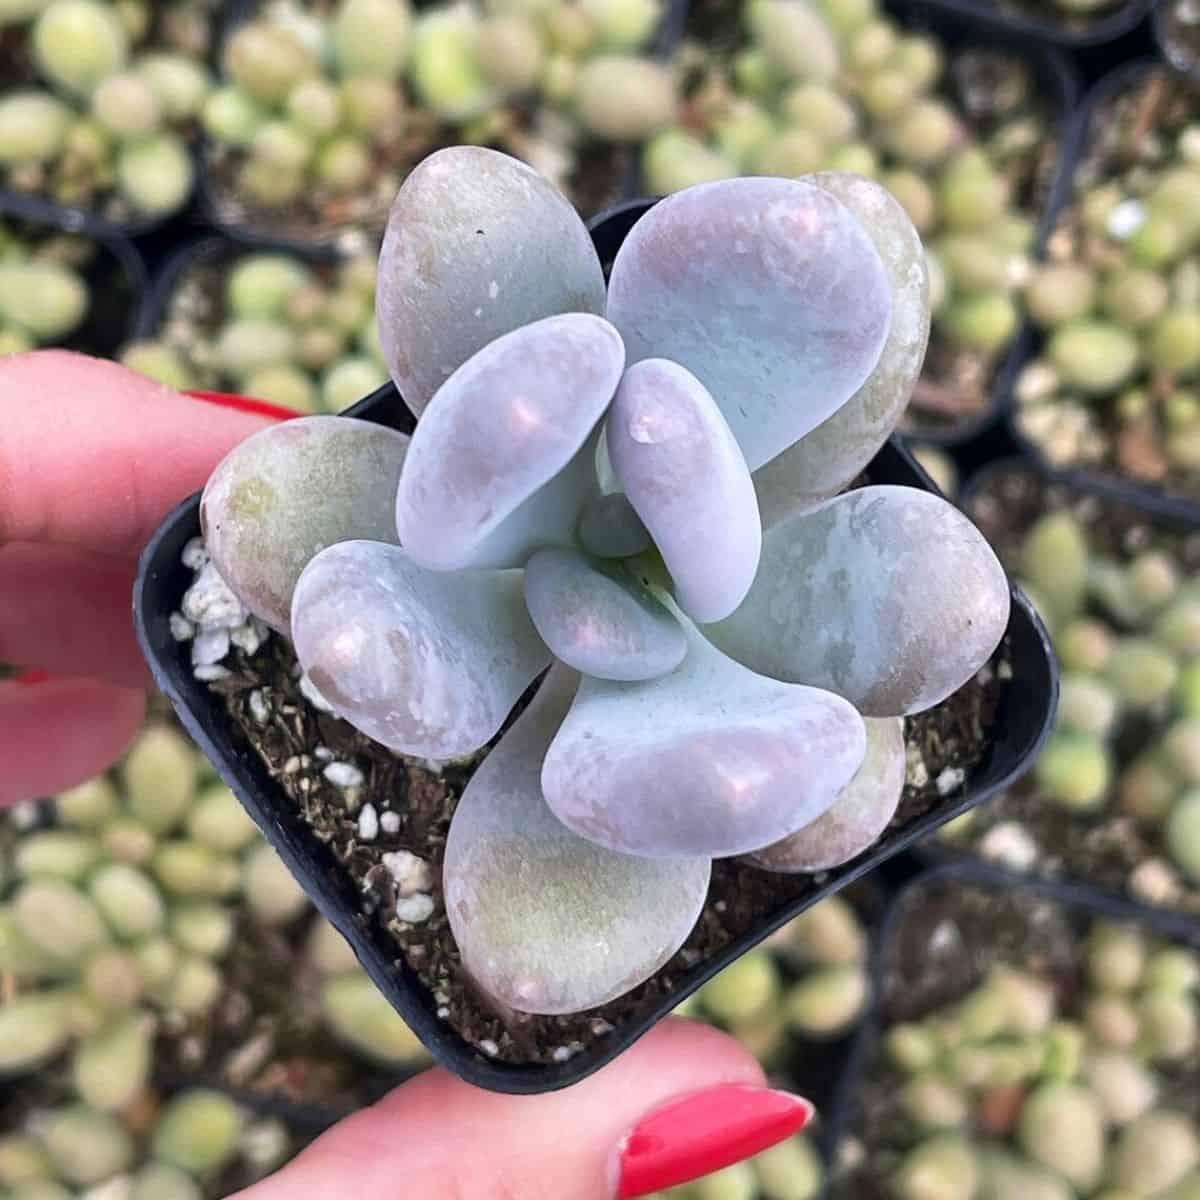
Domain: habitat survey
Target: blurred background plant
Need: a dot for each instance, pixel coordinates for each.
(276, 326)
(99, 101)
(1113, 799)
(1119, 298)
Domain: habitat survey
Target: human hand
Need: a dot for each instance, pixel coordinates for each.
(684, 1101)
(92, 456)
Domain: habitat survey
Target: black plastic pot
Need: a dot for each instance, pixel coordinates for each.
(1157, 500)
(1021, 724)
(1080, 33)
(1080, 905)
(117, 288)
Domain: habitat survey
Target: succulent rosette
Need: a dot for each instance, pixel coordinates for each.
(635, 486)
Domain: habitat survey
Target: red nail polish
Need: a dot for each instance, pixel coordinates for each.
(246, 404)
(704, 1132)
(28, 678)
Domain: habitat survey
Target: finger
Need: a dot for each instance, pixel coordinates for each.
(67, 611)
(684, 1101)
(61, 732)
(94, 455)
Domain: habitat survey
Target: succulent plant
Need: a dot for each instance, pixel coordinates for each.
(1119, 300)
(102, 107)
(327, 105)
(956, 146)
(1012, 1091)
(427, 583)
(122, 912)
(1119, 593)
(44, 296)
(274, 326)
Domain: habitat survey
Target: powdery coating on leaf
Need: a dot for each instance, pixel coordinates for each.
(768, 290)
(603, 624)
(545, 921)
(887, 596)
(283, 495)
(824, 461)
(858, 816)
(425, 663)
(477, 245)
(504, 425)
(711, 759)
(676, 458)
(609, 526)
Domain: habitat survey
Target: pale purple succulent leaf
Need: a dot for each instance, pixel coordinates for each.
(504, 425)
(857, 817)
(824, 461)
(477, 245)
(768, 290)
(679, 464)
(546, 921)
(710, 759)
(287, 492)
(886, 595)
(600, 621)
(426, 663)
(611, 528)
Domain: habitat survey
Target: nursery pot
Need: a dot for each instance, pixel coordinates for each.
(1021, 722)
(897, 962)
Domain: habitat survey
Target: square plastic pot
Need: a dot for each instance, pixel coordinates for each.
(1021, 724)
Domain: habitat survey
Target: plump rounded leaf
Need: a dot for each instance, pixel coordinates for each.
(610, 526)
(827, 459)
(768, 290)
(425, 663)
(477, 245)
(289, 491)
(676, 458)
(504, 425)
(858, 816)
(711, 759)
(547, 922)
(887, 596)
(600, 622)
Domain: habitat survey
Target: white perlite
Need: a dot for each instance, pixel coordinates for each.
(210, 603)
(194, 556)
(410, 873)
(368, 823)
(950, 780)
(260, 709)
(209, 647)
(489, 1047)
(343, 775)
(1010, 845)
(389, 822)
(182, 630)
(415, 909)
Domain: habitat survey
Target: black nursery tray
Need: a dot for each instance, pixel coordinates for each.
(1025, 707)
(904, 989)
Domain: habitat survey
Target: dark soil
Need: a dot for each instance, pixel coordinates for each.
(1129, 132)
(298, 741)
(944, 941)
(1102, 848)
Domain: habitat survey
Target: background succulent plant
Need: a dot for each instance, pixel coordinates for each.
(495, 340)
(44, 296)
(1120, 597)
(844, 87)
(274, 326)
(101, 108)
(1119, 299)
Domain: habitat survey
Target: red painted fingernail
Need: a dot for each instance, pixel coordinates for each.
(246, 404)
(704, 1132)
(28, 678)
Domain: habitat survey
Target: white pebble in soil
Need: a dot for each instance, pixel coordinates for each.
(950, 780)
(368, 823)
(260, 708)
(194, 556)
(389, 822)
(415, 909)
(410, 873)
(209, 647)
(182, 630)
(343, 775)
(210, 603)
(489, 1047)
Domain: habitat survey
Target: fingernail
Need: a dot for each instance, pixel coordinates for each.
(246, 404)
(28, 678)
(704, 1132)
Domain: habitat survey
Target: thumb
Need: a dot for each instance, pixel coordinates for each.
(684, 1101)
